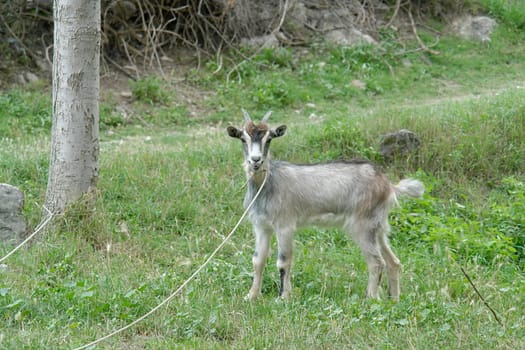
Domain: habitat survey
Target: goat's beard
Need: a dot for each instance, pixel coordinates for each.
(250, 170)
(256, 175)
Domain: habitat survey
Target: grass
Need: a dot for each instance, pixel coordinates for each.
(508, 11)
(168, 194)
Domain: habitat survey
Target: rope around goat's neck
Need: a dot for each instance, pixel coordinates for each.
(192, 277)
(255, 176)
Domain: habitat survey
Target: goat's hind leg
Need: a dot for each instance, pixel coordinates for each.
(260, 255)
(393, 266)
(367, 236)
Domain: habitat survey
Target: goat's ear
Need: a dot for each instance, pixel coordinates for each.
(234, 132)
(279, 131)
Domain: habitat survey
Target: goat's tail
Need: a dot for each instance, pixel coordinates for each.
(410, 187)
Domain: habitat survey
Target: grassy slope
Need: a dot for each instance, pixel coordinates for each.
(165, 202)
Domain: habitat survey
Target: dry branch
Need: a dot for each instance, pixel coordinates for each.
(423, 46)
(140, 31)
(481, 296)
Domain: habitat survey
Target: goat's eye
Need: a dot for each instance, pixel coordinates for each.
(243, 140)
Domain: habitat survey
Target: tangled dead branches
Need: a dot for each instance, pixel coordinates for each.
(141, 31)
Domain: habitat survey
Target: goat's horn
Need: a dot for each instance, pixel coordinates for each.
(266, 116)
(247, 118)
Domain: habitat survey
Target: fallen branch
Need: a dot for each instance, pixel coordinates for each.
(414, 30)
(119, 68)
(481, 296)
(396, 10)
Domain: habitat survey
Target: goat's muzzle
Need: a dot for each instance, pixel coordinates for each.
(256, 166)
(256, 162)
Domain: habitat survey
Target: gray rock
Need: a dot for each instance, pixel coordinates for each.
(20, 79)
(474, 28)
(401, 142)
(264, 41)
(333, 18)
(26, 78)
(13, 224)
(349, 37)
(298, 13)
(31, 77)
(303, 21)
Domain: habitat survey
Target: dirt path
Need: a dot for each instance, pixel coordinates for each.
(190, 96)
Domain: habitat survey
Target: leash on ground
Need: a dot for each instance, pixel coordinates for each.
(185, 283)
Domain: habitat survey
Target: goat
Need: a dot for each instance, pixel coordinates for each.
(352, 195)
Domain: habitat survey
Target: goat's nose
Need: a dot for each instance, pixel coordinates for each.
(256, 159)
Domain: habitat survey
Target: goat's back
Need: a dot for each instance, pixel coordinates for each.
(328, 191)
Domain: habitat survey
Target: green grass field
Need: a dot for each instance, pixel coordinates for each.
(170, 192)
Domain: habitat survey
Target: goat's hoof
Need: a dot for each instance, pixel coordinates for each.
(281, 300)
(374, 296)
(252, 296)
(284, 297)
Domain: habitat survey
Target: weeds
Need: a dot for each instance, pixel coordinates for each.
(509, 11)
(168, 195)
(150, 90)
(24, 113)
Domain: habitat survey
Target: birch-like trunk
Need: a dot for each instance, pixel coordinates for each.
(73, 169)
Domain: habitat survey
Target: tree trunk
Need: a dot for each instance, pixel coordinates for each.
(73, 169)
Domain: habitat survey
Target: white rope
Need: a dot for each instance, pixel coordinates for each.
(192, 277)
(40, 226)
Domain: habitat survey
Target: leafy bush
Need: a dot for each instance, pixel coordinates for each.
(109, 117)
(463, 231)
(363, 59)
(506, 214)
(340, 139)
(167, 200)
(169, 115)
(274, 58)
(150, 90)
(24, 112)
(273, 92)
(512, 12)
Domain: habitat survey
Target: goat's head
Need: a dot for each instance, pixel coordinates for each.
(256, 140)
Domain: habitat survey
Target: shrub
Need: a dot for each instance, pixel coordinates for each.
(24, 112)
(150, 90)
(464, 231)
(339, 139)
(511, 12)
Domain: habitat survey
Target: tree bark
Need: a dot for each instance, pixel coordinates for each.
(73, 169)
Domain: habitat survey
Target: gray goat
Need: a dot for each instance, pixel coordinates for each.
(353, 195)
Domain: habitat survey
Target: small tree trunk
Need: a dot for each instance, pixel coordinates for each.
(73, 168)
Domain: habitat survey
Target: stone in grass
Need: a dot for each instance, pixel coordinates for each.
(478, 28)
(13, 224)
(400, 142)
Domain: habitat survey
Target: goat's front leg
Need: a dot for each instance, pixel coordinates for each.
(284, 261)
(260, 255)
